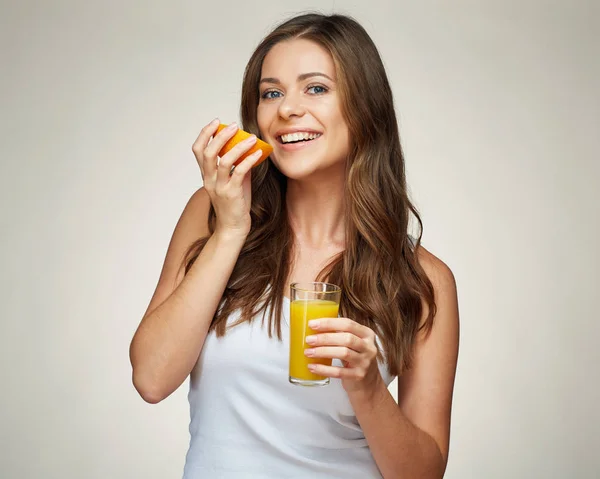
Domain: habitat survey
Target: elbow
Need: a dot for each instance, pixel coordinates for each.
(143, 379)
(434, 459)
(147, 389)
(441, 463)
(150, 397)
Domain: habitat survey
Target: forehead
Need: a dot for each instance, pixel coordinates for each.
(291, 58)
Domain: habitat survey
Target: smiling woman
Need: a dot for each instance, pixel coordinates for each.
(299, 96)
(329, 204)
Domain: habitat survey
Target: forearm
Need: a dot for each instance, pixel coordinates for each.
(400, 449)
(169, 340)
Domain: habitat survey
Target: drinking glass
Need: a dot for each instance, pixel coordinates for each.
(312, 300)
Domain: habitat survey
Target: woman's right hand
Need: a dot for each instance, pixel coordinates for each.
(230, 194)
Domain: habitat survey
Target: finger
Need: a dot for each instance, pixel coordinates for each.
(227, 161)
(219, 140)
(210, 153)
(341, 324)
(342, 353)
(347, 340)
(239, 172)
(332, 371)
(202, 141)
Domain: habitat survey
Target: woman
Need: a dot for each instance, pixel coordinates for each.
(330, 204)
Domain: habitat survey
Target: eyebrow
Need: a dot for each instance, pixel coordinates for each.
(302, 77)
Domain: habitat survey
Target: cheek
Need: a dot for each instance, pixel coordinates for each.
(264, 116)
(342, 135)
(260, 115)
(341, 128)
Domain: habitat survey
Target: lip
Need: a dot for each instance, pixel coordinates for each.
(297, 129)
(296, 146)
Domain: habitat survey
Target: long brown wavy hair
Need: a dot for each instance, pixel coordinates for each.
(383, 284)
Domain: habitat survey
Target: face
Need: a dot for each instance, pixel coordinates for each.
(299, 111)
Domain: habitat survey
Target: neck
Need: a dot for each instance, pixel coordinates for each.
(316, 211)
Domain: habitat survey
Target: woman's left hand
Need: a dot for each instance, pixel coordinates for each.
(350, 342)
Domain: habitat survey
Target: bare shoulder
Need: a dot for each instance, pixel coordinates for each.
(444, 288)
(198, 206)
(438, 272)
(191, 226)
(425, 390)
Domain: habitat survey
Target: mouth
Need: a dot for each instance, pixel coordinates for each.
(297, 138)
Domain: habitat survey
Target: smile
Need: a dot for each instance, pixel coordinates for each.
(296, 141)
(296, 137)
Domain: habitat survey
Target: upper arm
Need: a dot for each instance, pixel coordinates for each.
(192, 225)
(425, 390)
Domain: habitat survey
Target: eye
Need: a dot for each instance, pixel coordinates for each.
(317, 89)
(270, 94)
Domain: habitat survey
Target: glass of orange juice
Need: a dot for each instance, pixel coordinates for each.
(309, 301)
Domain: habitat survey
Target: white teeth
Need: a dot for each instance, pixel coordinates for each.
(299, 136)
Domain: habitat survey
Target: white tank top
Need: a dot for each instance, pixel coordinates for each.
(248, 421)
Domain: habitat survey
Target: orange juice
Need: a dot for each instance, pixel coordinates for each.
(301, 312)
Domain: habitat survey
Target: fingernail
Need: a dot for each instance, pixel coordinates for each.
(313, 323)
(312, 367)
(311, 339)
(309, 352)
(215, 121)
(233, 126)
(251, 139)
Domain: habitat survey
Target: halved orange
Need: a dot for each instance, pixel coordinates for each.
(241, 135)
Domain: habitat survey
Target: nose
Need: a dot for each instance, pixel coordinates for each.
(291, 105)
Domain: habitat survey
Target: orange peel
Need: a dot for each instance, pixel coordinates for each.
(241, 135)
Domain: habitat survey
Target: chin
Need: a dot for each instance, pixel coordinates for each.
(297, 171)
(305, 170)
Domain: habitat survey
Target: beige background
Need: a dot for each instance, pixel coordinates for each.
(100, 102)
